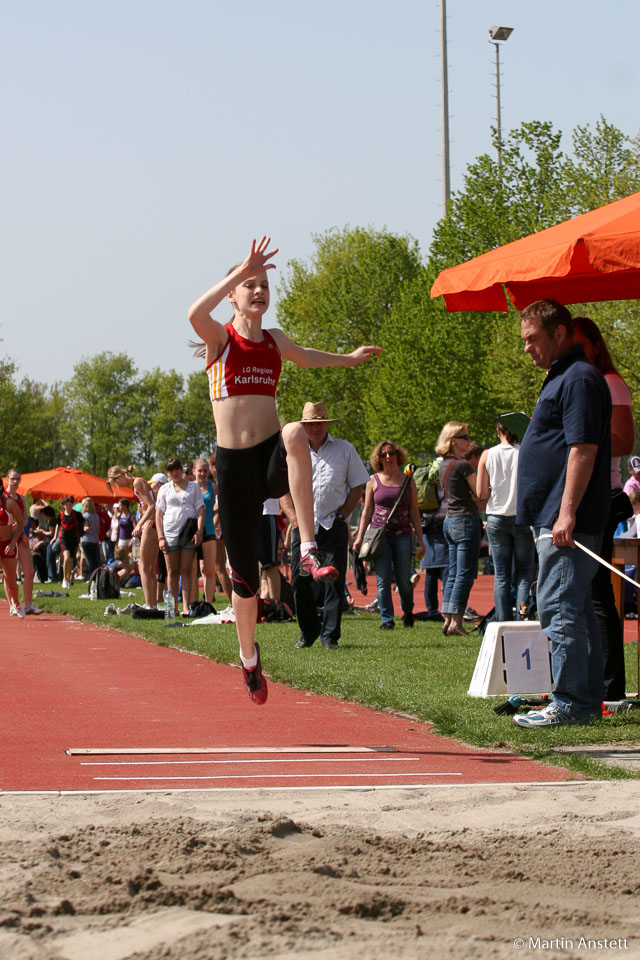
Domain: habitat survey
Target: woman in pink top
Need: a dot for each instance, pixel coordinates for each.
(623, 438)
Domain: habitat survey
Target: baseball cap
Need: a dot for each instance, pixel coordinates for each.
(634, 463)
(159, 478)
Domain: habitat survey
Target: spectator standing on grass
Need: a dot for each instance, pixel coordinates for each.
(208, 549)
(144, 529)
(395, 563)
(222, 577)
(160, 574)
(179, 508)
(338, 475)
(268, 545)
(24, 550)
(512, 547)
(38, 540)
(90, 539)
(435, 562)
(633, 483)
(67, 534)
(10, 531)
(623, 438)
(564, 481)
(125, 524)
(53, 545)
(461, 525)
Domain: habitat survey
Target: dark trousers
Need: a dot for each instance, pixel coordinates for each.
(91, 553)
(431, 577)
(39, 558)
(332, 548)
(611, 635)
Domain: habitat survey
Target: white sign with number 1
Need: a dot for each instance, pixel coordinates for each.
(526, 657)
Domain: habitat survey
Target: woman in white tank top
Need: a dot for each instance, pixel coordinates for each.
(512, 547)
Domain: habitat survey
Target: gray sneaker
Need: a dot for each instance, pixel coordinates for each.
(110, 609)
(549, 716)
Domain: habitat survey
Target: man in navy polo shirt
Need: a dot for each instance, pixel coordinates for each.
(563, 490)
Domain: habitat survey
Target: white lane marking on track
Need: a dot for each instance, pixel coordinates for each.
(192, 763)
(286, 776)
(132, 751)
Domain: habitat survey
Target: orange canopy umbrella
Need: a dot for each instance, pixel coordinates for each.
(68, 482)
(590, 258)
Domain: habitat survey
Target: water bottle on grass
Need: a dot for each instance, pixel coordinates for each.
(169, 605)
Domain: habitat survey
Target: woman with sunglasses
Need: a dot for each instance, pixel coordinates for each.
(381, 493)
(461, 528)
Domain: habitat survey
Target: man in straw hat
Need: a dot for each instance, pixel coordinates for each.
(338, 477)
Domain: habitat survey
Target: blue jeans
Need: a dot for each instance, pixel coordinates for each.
(395, 560)
(510, 543)
(53, 555)
(463, 537)
(567, 617)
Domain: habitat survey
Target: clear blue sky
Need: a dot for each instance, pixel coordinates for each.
(146, 142)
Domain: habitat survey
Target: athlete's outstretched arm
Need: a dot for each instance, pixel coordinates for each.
(308, 357)
(200, 317)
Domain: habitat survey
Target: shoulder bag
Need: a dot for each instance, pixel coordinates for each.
(373, 540)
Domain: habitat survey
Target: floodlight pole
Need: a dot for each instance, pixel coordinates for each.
(497, 36)
(498, 107)
(446, 174)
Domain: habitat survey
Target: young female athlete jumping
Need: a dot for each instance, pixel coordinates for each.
(255, 458)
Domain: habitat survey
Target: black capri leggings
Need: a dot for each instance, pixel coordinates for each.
(246, 478)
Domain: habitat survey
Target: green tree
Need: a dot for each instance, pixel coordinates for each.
(198, 431)
(537, 187)
(342, 299)
(33, 423)
(158, 423)
(103, 404)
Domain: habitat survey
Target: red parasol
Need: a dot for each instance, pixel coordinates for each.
(69, 482)
(587, 259)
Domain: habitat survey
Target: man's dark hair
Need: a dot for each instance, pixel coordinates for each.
(549, 314)
(475, 450)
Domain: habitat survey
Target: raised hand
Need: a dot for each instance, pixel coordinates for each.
(259, 255)
(362, 354)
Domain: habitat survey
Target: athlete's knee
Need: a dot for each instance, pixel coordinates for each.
(294, 436)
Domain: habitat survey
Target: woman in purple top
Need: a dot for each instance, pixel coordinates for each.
(395, 562)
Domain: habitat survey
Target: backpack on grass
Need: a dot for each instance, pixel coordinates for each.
(427, 478)
(107, 584)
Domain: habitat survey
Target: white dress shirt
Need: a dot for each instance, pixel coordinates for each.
(337, 469)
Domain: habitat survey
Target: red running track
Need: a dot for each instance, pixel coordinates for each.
(69, 685)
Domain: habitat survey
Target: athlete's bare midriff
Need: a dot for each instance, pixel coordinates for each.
(245, 421)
